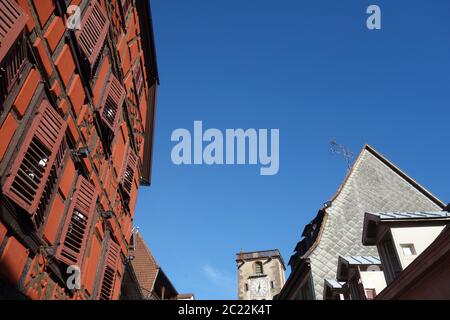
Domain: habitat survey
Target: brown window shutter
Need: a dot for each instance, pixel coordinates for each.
(35, 158)
(94, 28)
(12, 22)
(76, 230)
(112, 103)
(109, 271)
(129, 171)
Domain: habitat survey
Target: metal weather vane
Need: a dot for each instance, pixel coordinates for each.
(342, 150)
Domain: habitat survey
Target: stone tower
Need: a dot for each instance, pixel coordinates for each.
(260, 274)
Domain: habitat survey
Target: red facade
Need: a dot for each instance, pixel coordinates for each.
(76, 130)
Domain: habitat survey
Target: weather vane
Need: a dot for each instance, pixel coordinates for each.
(342, 150)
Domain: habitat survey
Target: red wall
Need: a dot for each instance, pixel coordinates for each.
(49, 101)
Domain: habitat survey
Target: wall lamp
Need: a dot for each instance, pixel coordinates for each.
(81, 153)
(107, 214)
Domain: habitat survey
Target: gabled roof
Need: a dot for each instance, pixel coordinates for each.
(144, 264)
(146, 268)
(345, 263)
(372, 221)
(310, 238)
(373, 183)
(394, 168)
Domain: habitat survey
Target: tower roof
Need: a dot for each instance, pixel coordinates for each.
(256, 255)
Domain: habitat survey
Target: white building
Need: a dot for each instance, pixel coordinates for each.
(401, 237)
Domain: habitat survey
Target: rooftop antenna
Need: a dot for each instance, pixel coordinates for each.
(342, 150)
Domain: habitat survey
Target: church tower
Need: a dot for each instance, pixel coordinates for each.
(260, 274)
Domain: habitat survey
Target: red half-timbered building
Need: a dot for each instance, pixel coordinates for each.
(77, 106)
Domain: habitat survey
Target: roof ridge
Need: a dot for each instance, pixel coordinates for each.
(367, 147)
(404, 175)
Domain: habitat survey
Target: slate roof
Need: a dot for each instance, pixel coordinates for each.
(373, 184)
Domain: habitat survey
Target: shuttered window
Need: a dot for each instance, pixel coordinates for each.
(33, 163)
(138, 78)
(259, 268)
(125, 7)
(13, 49)
(111, 105)
(129, 171)
(76, 230)
(52, 182)
(109, 271)
(94, 28)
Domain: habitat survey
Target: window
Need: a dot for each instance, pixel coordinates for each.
(76, 230)
(112, 102)
(272, 284)
(109, 270)
(129, 171)
(40, 149)
(371, 294)
(94, 28)
(246, 287)
(408, 249)
(13, 48)
(259, 268)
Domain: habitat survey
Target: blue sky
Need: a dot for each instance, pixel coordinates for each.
(311, 69)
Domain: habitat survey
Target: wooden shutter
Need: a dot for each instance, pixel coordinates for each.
(112, 103)
(125, 7)
(109, 271)
(35, 158)
(12, 22)
(94, 28)
(76, 229)
(129, 171)
(138, 78)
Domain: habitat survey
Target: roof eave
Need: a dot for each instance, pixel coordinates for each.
(151, 66)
